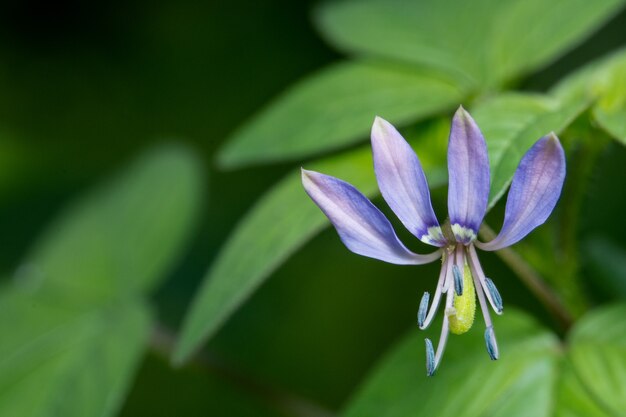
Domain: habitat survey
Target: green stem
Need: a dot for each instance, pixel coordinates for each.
(533, 281)
(286, 403)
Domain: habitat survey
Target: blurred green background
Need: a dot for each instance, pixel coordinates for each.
(88, 87)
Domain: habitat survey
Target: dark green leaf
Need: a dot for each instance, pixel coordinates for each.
(335, 108)
(486, 42)
(278, 225)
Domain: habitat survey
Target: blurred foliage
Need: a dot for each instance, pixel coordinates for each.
(88, 86)
(478, 43)
(534, 377)
(75, 311)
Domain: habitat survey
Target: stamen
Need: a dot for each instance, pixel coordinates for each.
(495, 295)
(481, 299)
(490, 336)
(492, 345)
(421, 313)
(444, 332)
(446, 267)
(458, 280)
(478, 273)
(430, 358)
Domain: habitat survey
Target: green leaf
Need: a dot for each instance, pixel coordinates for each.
(604, 81)
(335, 108)
(467, 383)
(512, 123)
(485, 42)
(123, 237)
(598, 357)
(59, 361)
(278, 225)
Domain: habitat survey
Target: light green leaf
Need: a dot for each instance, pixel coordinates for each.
(335, 108)
(604, 81)
(121, 238)
(56, 361)
(598, 356)
(467, 383)
(280, 223)
(512, 123)
(486, 42)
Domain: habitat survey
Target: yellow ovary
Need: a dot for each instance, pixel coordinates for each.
(462, 316)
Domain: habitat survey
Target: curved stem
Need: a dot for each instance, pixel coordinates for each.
(286, 403)
(529, 277)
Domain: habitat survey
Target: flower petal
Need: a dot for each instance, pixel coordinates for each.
(403, 184)
(468, 172)
(535, 189)
(361, 226)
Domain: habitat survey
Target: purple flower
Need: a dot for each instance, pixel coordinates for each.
(366, 231)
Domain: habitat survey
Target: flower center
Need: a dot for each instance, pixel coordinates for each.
(461, 315)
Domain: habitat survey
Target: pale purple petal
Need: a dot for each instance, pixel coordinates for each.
(361, 226)
(535, 189)
(402, 183)
(468, 171)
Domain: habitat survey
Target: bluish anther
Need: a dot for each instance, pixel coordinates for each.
(430, 358)
(458, 280)
(492, 345)
(423, 309)
(495, 295)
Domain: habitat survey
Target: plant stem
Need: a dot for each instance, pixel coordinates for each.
(532, 280)
(286, 403)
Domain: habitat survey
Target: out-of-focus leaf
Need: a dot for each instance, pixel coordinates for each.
(467, 383)
(598, 357)
(486, 42)
(75, 323)
(512, 123)
(607, 261)
(122, 238)
(336, 107)
(59, 361)
(603, 80)
(280, 223)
